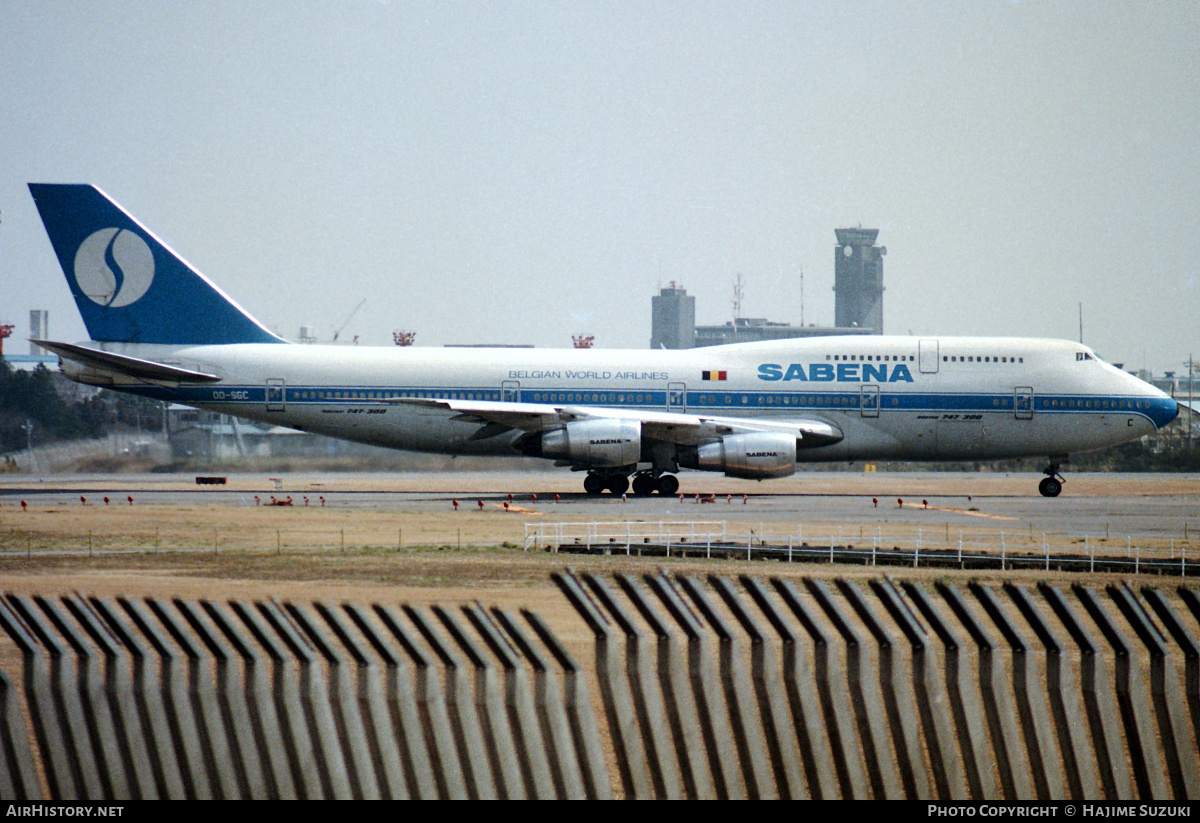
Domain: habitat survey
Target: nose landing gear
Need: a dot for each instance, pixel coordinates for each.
(1052, 483)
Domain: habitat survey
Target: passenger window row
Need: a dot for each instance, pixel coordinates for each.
(976, 359)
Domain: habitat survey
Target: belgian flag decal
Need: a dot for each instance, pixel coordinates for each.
(713, 375)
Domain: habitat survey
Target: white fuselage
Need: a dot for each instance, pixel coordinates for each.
(891, 397)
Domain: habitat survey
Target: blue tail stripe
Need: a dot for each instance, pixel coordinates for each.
(130, 287)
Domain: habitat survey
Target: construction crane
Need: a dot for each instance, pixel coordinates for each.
(338, 330)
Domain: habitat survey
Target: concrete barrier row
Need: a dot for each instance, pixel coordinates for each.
(843, 689)
(749, 687)
(126, 699)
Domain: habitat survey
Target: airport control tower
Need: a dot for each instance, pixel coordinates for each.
(858, 280)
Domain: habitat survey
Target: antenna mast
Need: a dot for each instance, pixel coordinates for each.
(802, 296)
(737, 305)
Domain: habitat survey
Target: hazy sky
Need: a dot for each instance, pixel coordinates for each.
(519, 172)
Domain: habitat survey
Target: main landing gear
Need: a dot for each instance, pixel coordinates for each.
(644, 484)
(596, 483)
(1052, 483)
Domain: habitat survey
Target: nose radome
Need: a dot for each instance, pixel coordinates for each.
(1170, 411)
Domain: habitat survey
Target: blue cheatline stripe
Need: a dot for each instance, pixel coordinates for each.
(725, 402)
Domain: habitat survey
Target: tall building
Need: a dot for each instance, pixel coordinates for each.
(858, 304)
(858, 280)
(672, 319)
(39, 329)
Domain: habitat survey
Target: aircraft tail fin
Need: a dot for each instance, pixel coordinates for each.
(129, 286)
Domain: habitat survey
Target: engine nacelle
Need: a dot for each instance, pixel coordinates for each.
(753, 456)
(608, 443)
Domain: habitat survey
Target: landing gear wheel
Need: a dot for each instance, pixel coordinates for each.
(593, 484)
(668, 485)
(617, 483)
(1050, 487)
(644, 484)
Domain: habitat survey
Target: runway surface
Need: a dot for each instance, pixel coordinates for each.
(1135, 505)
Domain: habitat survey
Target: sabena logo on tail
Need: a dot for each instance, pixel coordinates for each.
(114, 267)
(129, 286)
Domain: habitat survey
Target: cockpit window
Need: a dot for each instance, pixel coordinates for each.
(1083, 355)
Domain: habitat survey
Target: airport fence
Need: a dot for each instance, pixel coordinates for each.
(912, 547)
(917, 548)
(767, 687)
(751, 686)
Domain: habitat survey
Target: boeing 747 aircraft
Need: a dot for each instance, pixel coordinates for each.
(161, 329)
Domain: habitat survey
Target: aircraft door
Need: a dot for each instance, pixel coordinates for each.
(927, 355)
(510, 391)
(275, 395)
(676, 397)
(1023, 402)
(869, 400)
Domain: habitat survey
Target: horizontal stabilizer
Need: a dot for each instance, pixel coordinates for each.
(120, 365)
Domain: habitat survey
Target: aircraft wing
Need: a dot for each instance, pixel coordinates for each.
(110, 365)
(497, 417)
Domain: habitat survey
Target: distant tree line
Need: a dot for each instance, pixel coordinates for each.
(34, 412)
(1170, 451)
(1175, 455)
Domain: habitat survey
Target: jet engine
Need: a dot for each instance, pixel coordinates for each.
(605, 443)
(753, 456)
